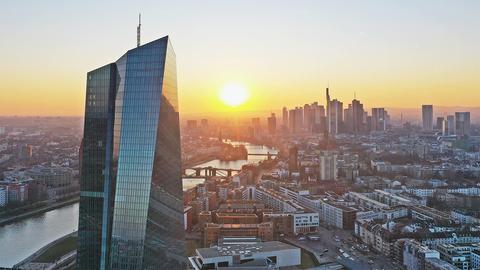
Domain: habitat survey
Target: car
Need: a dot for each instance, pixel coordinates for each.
(302, 238)
(370, 261)
(325, 250)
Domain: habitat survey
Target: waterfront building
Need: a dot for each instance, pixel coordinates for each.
(131, 206)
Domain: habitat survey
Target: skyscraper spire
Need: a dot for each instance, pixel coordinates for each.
(139, 28)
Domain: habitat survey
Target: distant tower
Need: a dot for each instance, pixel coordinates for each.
(139, 28)
(328, 111)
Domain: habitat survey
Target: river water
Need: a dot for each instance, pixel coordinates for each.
(21, 239)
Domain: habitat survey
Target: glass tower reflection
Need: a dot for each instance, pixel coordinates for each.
(134, 217)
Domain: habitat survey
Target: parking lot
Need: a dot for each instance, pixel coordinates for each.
(334, 245)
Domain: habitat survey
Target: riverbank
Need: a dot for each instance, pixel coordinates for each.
(52, 251)
(37, 211)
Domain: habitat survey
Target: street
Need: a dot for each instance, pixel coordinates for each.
(337, 245)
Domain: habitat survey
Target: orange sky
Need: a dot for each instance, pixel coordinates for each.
(391, 53)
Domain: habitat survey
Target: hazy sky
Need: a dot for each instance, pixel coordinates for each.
(392, 53)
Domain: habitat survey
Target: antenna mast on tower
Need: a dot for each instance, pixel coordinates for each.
(139, 28)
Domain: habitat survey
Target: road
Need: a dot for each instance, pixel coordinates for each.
(335, 239)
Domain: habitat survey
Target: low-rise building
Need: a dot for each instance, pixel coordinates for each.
(246, 254)
(415, 255)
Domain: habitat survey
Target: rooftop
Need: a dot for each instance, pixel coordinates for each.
(244, 248)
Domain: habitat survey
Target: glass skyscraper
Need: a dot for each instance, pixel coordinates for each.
(131, 206)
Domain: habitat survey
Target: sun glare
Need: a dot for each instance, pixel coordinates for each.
(234, 94)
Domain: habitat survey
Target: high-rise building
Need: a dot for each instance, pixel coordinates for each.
(354, 117)
(328, 166)
(285, 117)
(131, 205)
(335, 116)
(379, 119)
(439, 124)
(192, 124)
(450, 126)
(295, 120)
(318, 121)
(462, 123)
(308, 117)
(427, 117)
(272, 124)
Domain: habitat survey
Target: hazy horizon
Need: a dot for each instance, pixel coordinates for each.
(422, 52)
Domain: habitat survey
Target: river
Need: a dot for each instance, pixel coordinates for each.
(22, 238)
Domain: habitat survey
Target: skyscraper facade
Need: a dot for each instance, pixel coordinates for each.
(285, 117)
(335, 116)
(131, 206)
(379, 119)
(272, 123)
(328, 166)
(450, 126)
(427, 117)
(462, 123)
(354, 117)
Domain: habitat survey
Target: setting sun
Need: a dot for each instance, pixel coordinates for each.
(234, 94)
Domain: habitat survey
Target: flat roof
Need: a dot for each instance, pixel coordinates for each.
(243, 249)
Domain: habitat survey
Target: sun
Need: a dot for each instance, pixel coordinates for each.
(234, 94)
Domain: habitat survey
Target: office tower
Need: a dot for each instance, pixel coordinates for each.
(192, 124)
(462, 123)
(295, 120)
(131, 205)
(272, 124)
(327, 113)
(318, 117)
(328, 166)
(308, 117)
(335, 116)
(354, 116)
(285, 117)
(299, 119)
(379, 119)
(291, 120)
(427, 117)
(444, 129)
(450, 127)
(439, 124)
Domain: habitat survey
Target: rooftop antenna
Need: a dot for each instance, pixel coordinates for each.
(138, 29)
(354, 94)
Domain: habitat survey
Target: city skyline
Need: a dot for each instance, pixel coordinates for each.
(420, 54)
(276, 135)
